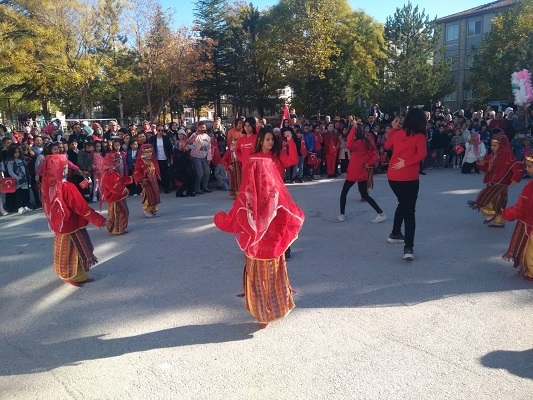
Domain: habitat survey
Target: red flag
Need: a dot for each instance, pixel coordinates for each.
(286, 115)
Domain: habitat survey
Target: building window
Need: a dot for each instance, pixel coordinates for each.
(453, 63)
(452, 33)
(474, 28)
(468, 95)
(469, 61)
(450, 97)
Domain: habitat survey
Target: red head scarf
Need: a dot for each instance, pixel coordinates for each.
(52, 191)
(264, 218)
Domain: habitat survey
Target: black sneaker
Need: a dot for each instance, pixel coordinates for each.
(408, 254)
(396, 238)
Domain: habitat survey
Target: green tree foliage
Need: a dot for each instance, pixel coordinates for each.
(507, 48)
(415, 71)
(211, 25)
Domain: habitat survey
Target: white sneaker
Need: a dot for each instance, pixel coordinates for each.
(379, 218)
(21, 210)
(341, 218)
(95, 199)
(28, 209)
(4, 213)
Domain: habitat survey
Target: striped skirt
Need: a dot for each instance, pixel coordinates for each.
(150, 194)
(73, 255)
(234, 178)
(267, 289)
(117, 218)
(491, 200)
(520, 250)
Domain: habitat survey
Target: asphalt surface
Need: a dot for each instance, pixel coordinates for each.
(162, 321)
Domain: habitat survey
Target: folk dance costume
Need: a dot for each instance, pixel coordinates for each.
(501, 169)
(115, 193)
(521, 247)
(234, 168)
(146, 173)
(68, 214)
(265, 221)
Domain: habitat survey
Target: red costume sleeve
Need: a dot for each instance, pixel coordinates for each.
(523, 209)
(226, 160)
(138, 171)
(75, 201)
(289, 157)
(350, 141)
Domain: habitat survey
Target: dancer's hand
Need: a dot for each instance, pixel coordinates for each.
(395, 123)
(399, 164)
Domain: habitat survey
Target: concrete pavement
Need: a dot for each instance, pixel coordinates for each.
(162, 321)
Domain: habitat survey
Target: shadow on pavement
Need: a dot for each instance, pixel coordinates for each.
(45, 357)
(519, 363)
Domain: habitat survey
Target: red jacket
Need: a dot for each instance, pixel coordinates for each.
(412, 149)
(113, 186)
(79, 212)
(244, 147)
(287, 158)
(523, 209)
(331, 142)
(363, 153)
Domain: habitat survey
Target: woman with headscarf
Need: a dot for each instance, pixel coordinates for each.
(474, 150)
(501, 171)
(265, 221)
(115, 193)
(68, 215)
(146, 173)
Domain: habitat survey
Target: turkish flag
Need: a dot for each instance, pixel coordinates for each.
(286, 115)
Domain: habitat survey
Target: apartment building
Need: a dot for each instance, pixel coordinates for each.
(461, 32)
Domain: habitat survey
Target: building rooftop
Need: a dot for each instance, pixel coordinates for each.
(485, 8)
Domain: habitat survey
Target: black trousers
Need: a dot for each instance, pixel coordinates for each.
(363, 191)
(407, 193)
(165, 176)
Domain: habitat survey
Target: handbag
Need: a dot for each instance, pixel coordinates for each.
(9, 185)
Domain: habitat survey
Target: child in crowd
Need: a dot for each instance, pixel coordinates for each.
(457, 144)
(131, 159)
(383, 161)
(474, 150)
(298, 174)
(20, 200)
(216, 162)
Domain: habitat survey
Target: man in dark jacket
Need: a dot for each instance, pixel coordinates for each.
(163, 150)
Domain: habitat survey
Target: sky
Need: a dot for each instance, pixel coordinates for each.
(379, 10)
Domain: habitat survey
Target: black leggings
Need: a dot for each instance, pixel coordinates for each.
(363, 190)
(407, 194)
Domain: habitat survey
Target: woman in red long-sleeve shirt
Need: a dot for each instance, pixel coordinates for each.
(408, 147)
(363, 155)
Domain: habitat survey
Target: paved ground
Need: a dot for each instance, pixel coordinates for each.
(162, 319)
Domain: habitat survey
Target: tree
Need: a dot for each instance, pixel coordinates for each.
(416, 70)
(215, 52)
(512, 35)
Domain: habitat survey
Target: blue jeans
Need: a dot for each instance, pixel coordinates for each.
(201, 167)
(299, 170)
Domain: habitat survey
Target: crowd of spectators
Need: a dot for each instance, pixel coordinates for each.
(449, 138)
